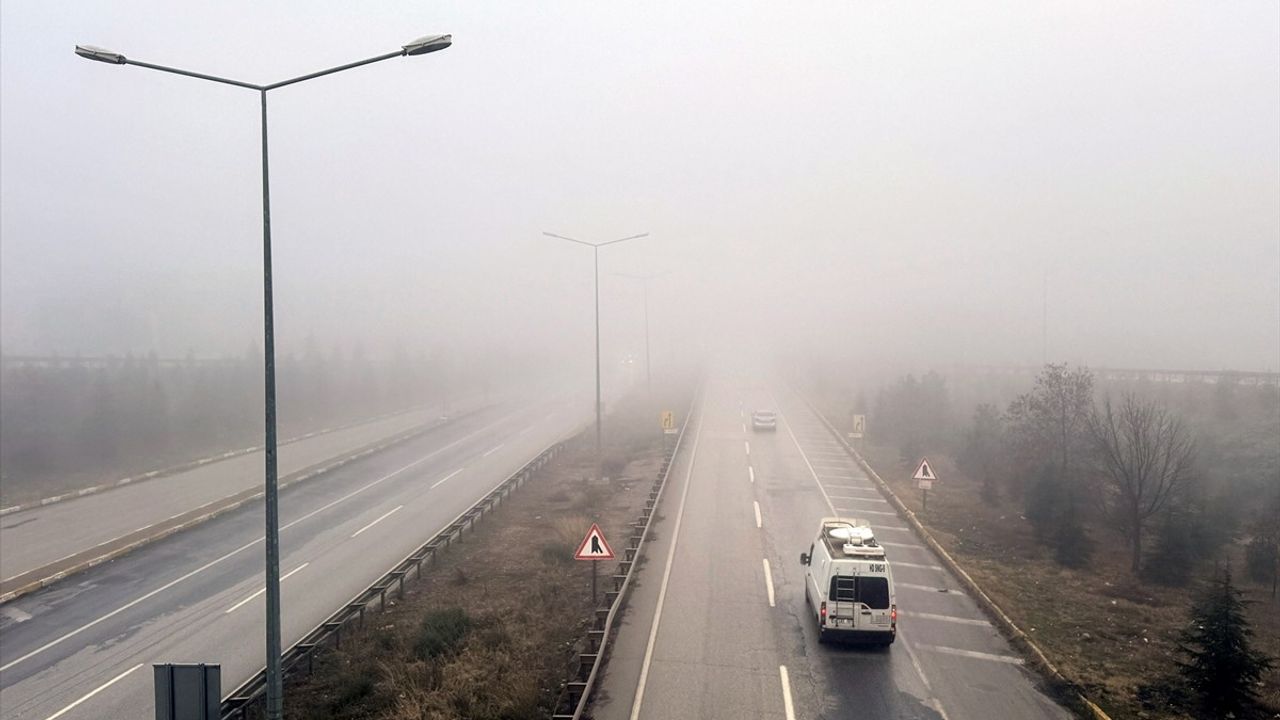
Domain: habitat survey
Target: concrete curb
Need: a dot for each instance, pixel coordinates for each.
(160, 530)
(1011, 629)
(153, 474)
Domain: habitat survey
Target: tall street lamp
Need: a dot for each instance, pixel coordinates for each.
(421, 46)
(644, 283)
(595, 253)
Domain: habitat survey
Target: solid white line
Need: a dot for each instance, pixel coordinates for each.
(493, 450)
(759, 521)
(751, 473)
(915, 663)
(787, 707)
(666, 579)
(804, 457)
(946, 618)
(286, 576)
(242, 548)
(768, 581)
(382, 517)
(446, 478)
(974, 654)
(102, 687)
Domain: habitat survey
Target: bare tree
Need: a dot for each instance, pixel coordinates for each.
(1049, 424)
(1146, 456)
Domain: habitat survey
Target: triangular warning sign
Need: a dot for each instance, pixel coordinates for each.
(924, 472)
(593, 546)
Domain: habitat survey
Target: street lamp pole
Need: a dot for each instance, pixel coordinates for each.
(421, 46)
(644, 284)
(595, 249)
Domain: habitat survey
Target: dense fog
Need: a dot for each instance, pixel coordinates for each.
(901, 185)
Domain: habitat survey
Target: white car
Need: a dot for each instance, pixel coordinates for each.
(764, 420)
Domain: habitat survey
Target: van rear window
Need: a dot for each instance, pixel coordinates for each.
(872, 591)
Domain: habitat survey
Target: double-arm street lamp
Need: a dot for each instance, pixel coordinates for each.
(595, 253)
(421, 46)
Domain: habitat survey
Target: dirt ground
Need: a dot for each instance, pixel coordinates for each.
(525, 603)
(1114, 636)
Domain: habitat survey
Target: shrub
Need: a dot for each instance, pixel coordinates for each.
(441, 632)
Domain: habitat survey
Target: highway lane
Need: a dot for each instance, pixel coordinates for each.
(194, 596)
(722, 649)
(34, 538)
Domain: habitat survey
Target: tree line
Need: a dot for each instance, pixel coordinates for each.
(1176, 473)
(127, 414)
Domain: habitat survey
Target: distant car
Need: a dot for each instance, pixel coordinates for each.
(764, 420)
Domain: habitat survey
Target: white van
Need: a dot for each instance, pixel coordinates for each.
(848, 584)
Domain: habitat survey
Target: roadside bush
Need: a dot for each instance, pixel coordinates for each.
(1072, 546)
(1042, 502)
(441, 632)
(613, 462)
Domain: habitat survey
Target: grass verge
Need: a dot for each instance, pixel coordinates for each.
(1113, 635)
(494, 627)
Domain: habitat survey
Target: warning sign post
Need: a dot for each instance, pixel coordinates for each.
(594, 548)
(924, 477)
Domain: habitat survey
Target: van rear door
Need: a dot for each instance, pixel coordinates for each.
(860, 602)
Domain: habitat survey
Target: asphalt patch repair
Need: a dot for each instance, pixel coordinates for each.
(494, 627)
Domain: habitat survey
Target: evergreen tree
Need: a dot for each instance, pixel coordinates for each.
(1221, 670)
(1072, 545)
(1170, 562)
(1043, 501)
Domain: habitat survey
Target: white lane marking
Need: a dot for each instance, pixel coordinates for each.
(747, 445)
(744, 427)
(787, 707)
(381, 517)
(946, 618)
(493, 450)
(915, 663)
(851, 497)
(804, 457)
(242, 548)
(759, 521)
(929, 588)
(100, 688)
(974, 654)
(666, 578)
(899, 563)
(898, 544)
(855, 489)
(284, 577)
(446, 478)
(868, 512)
(751, 473)
(524, 431)
(768, 581)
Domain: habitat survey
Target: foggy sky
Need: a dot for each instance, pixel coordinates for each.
(895, 182)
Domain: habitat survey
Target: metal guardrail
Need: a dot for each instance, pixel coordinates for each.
(252, 691)
(577, 692)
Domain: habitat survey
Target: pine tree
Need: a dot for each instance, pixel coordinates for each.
(1222, 670)
(1072, 545)
(1171, 561)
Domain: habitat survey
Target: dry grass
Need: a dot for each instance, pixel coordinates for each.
(528, 605)
(1106, 631)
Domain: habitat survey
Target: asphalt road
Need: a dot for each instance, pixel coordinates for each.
(83, 648)
(37, 537)
(717, 626)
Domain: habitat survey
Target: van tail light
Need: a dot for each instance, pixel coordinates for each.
(893, 615)
(822, 612)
